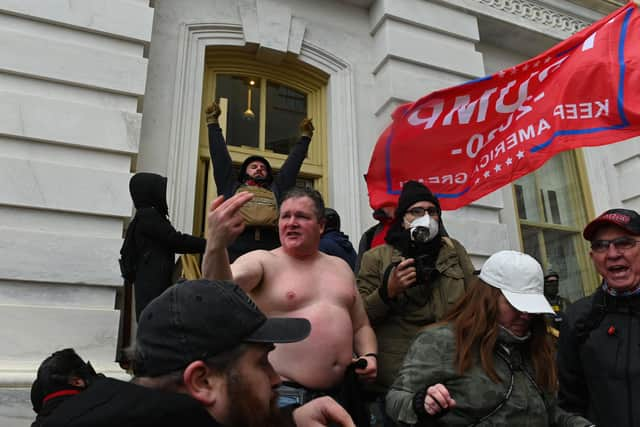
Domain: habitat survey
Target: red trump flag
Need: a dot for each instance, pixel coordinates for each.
(469, 140)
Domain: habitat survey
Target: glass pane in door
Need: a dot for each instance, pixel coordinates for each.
(243, 108)
(286, 107)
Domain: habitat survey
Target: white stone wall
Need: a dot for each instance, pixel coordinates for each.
(613, 172)
(71, 74)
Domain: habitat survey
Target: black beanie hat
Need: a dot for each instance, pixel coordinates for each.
(413, 192)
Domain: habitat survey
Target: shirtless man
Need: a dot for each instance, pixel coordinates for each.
(297, 280)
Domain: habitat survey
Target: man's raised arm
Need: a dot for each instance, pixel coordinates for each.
(222, 165)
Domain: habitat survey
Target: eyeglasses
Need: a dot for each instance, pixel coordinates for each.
(621, 244)
(418, 211)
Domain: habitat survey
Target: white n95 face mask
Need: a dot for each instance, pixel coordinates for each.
(423, 229)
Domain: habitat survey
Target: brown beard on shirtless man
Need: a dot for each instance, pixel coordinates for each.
(297, 280)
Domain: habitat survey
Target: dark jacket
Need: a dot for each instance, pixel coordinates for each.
(113, 403)
(51, 405)
(337, 243)
(365, 242)
(227, 184)
(431, 360)
(599, 359)
(156, 241)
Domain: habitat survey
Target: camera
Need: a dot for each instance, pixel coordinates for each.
(425, 265)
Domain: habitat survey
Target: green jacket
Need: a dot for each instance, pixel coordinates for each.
(430, 361)
(397, 321)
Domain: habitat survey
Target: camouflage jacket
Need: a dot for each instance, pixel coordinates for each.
(479, 401)
(397, 321)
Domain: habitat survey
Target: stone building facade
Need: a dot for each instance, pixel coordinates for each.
(94, 90)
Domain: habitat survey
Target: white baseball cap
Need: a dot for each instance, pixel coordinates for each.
(520, 278)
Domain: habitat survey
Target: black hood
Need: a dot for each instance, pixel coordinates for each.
(243, 177)
(54, 374)
(149, 190)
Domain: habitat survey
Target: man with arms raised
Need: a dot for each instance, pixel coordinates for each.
(297, 280)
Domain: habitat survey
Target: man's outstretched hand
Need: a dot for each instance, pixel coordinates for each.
(321, 412)
(224, 221)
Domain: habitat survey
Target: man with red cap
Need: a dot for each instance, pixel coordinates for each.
(599, 347)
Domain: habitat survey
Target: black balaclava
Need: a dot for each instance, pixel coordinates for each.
(149, 190)
(243, 177)
(551, 286)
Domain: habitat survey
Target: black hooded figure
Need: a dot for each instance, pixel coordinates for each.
(260, 213)
(148, 252)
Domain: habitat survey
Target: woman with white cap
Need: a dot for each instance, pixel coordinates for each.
(490, 362)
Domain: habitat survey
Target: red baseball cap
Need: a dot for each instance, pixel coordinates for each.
(626, 219)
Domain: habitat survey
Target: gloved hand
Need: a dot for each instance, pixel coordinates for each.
(212, 113)
(306, 127)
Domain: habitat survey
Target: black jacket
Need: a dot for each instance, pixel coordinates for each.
(227, 183)
(599, 359)
(48, 408)
(156, 241)
(113, 403)
(337, 243)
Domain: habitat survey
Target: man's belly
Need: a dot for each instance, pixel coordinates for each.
(320, 360)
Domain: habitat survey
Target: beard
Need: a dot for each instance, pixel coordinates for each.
(247, 409)
(261, 180)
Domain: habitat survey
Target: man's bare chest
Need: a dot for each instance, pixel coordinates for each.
(286, 290)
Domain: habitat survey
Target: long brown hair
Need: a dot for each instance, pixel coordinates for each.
(475, 324)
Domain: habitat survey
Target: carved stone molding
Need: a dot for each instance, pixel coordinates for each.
(538, 13)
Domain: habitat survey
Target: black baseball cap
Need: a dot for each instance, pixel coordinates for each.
(626, 219)
(197, 319)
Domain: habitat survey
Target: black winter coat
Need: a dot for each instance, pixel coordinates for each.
(156, 241)
(599, 359)
(109, 402)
